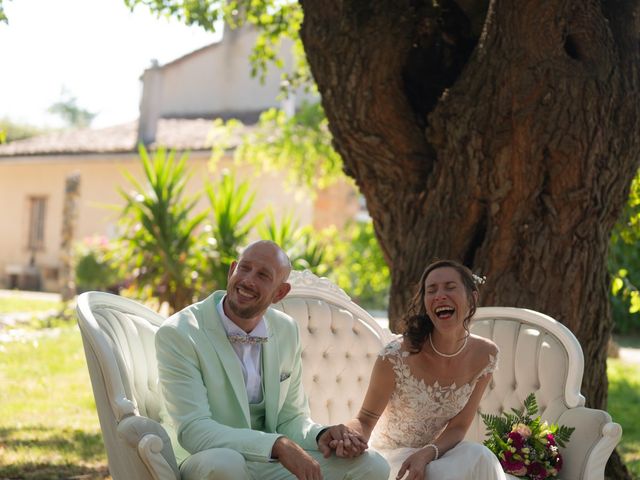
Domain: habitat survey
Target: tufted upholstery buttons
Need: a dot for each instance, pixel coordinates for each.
(341, 344)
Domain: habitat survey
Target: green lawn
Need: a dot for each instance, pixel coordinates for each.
(48, 425)
(624, 398)
(49, 428)
(22, 304)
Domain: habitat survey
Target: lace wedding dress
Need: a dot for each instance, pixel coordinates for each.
(417, 413)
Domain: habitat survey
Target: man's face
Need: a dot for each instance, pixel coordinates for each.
(256, 281)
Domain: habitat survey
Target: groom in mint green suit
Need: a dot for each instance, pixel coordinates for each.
(231, 375)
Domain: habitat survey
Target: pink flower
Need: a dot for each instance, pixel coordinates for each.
(521, 471)
(512, 466)
(551, 439)
(522, 429)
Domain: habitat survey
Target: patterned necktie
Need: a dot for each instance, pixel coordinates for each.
(246, 339)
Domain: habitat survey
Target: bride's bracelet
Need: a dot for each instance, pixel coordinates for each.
(435, 447)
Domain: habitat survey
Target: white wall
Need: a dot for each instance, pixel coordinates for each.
(215, 80)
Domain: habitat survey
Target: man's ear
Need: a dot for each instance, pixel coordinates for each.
(282, 292)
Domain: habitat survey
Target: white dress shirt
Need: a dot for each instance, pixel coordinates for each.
(249, 355)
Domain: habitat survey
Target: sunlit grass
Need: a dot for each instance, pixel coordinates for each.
(17, 304)
(48, 425)
(624, 398)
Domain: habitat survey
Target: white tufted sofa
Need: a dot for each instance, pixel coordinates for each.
(340, 343)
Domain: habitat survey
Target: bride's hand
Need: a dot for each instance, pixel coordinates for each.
(415, 465)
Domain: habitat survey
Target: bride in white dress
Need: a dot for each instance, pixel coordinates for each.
(425, 388)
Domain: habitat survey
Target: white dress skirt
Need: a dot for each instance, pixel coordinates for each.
(466, 461)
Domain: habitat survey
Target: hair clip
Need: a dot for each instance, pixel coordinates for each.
(479, 280)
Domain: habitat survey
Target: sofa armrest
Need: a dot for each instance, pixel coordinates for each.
(152, 444)
(591, 444)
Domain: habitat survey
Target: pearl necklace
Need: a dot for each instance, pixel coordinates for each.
(449, 355)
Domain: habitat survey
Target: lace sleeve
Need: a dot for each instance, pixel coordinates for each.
(491, 367)
(391, 349)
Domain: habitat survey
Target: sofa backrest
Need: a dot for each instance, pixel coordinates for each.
(122, 333)
(537, 354)
(340, 342)
(118, 338)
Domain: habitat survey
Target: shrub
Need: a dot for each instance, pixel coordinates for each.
(94, 268)
(359, 267)
(624, 265)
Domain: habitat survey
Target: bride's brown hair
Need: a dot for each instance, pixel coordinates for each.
(417, 324)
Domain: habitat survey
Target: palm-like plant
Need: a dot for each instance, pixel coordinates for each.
(300, 243)
(285, 233)
(159, 230)
(231, 203)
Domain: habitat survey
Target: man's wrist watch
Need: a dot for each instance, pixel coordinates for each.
(320, 433)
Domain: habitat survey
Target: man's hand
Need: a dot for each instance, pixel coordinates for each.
(296, 460)
(345, 441)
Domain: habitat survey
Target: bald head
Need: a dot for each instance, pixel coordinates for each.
(270, 250)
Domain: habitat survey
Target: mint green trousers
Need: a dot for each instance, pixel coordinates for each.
(226, 464)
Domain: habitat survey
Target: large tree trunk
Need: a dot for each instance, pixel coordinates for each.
(500, 133)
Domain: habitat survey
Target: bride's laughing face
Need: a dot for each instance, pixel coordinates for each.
(445, 299)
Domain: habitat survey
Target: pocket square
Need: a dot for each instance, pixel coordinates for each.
(284, 376)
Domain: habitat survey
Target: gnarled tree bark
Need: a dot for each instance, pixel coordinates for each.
(500, 133)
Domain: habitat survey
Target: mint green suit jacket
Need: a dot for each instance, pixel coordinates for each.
(204, 390)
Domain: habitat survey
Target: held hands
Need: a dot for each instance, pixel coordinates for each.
(345, 441)
(415, 464)
(296, 460)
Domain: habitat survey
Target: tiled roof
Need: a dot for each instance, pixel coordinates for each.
(181, 134)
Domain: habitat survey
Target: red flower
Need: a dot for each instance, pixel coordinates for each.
(512, 466)
(516, 439)
(536, 471)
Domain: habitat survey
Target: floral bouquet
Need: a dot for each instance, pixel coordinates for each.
(526, 446)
